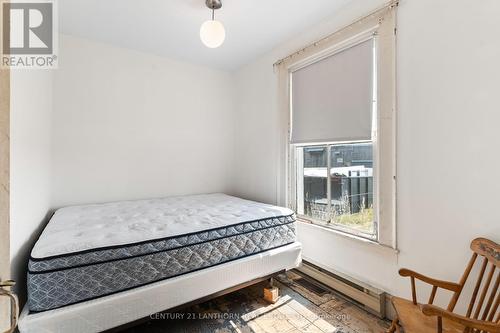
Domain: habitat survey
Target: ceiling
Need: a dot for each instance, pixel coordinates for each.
(171, 27)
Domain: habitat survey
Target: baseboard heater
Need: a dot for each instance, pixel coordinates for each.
(369, 298)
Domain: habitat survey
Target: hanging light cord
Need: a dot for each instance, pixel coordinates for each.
(213, 13)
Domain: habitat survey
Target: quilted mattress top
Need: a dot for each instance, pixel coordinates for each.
(80, 228)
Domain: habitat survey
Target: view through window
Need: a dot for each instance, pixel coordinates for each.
(335, 186)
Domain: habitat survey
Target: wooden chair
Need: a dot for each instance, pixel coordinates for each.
(482, 314)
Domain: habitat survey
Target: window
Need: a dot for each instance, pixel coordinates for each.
(339, 94)
(342, 197)
(333, 100)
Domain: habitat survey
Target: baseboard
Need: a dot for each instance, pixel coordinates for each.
(368, 297)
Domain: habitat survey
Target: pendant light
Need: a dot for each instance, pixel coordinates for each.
(212, 32)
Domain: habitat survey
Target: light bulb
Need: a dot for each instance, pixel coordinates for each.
(212, 33)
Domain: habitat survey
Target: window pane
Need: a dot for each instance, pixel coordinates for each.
(348, 203)
(315, 189)
(352, 186)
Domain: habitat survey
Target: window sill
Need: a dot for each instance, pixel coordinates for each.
(359, 239)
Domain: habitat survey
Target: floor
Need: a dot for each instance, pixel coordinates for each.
(302, 307)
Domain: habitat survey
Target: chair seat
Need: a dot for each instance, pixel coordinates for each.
(414, 321)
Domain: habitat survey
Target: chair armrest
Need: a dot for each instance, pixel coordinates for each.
(432, 310)
(451, 286)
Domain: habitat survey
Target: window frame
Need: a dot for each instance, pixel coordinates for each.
(298, 172)
(382, 27)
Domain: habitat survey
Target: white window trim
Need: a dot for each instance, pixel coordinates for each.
(382, 23)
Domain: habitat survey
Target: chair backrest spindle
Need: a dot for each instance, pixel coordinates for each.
(494, 310)
(463, 279)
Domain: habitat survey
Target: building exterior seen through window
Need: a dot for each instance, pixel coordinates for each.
(347, 201)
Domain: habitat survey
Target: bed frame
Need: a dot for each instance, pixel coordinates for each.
(198, 301)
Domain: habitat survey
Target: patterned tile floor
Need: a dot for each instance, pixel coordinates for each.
(299, 309)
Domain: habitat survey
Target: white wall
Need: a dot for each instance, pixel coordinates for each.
(131, 125)
(31, 110)
(448, 117)
(447, 140)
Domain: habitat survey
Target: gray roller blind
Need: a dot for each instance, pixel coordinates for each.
(332, 99)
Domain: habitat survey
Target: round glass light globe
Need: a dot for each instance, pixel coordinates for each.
(212, 34)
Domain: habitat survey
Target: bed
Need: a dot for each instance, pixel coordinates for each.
(99, 266)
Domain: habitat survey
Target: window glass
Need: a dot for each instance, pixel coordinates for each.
(342, 197)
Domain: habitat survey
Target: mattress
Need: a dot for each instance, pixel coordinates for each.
(114, 310)
(87, 252)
